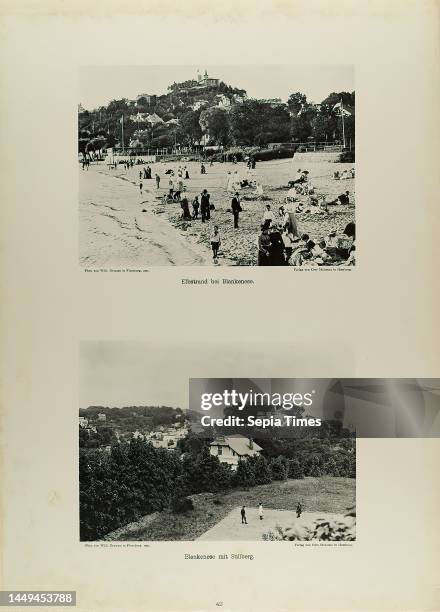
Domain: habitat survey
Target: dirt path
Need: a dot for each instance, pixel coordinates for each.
(231, 529)
(114, 232)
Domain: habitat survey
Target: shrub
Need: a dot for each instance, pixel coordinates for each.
(295, 469)
(245, 474)
(278, 468)
(347, 157)
(268, 154)
(182, 504)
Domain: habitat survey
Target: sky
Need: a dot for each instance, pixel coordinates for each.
(101, 84)
(130, 373)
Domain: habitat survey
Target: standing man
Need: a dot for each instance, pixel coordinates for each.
(260, 511)
(204, 206)
(243, 516)
(195, 205)
(236, 208)
(298, 509)
(157, 181)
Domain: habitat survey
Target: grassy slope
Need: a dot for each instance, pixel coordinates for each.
(325, 494)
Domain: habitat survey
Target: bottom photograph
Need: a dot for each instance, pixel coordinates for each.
(164, 456)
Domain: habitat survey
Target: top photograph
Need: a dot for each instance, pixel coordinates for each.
(217, 166)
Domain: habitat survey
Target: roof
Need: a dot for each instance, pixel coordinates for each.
(239, 444)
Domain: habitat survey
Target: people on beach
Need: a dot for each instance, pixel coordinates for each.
(276, 248)
(157, 181)
(236, 209)
(186, 215)
(268, 217)
(202, 169)
(204, 206)
(195, 206)
(263, 247)
(288, 241)
(186, 174)
(243, 515)
(260, 511)
(215, 243)
(140, 187)
(298, 509)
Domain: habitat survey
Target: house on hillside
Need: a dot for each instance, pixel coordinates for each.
(102, 417)
(222, 101)
(154, 119)
(139, 117)
(199, 104)
(229, 449)
(83, 422)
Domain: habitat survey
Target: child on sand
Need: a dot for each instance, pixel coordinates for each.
(215, 243)
(260, 511)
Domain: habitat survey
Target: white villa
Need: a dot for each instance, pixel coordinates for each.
(229, 449)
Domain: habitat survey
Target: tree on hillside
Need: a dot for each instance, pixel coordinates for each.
(295, 102)
(261, 469)
(215, 122)
(278, 468)
(295, 469)
(190, 128)
(244, 475)
(204, 472)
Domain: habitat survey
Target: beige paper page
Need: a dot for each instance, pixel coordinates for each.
(377, 320)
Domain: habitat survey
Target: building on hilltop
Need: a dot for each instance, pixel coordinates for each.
(102, 417)
(206, 81)
(230, 449)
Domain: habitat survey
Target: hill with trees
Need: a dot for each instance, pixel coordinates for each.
(189, 115)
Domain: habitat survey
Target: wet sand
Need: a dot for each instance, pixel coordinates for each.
(115, 232)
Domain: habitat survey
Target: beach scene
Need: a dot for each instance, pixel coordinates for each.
(205, 174)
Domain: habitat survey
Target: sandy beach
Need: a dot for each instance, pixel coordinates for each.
(122, 228)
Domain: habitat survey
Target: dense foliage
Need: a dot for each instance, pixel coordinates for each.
(121, 481)
(222, 113)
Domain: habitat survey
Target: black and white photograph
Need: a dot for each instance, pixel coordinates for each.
(153, 467)
(248, 165)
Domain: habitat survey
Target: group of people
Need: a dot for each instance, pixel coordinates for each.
(279, 243)
(298, 511)
(345, 174)
(146, 173)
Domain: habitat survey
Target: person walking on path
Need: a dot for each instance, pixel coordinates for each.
(157, 181)
(215, 243)
(140, 187)
(236, 209)
(260, 511)
(298, 509)
(243, 516)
